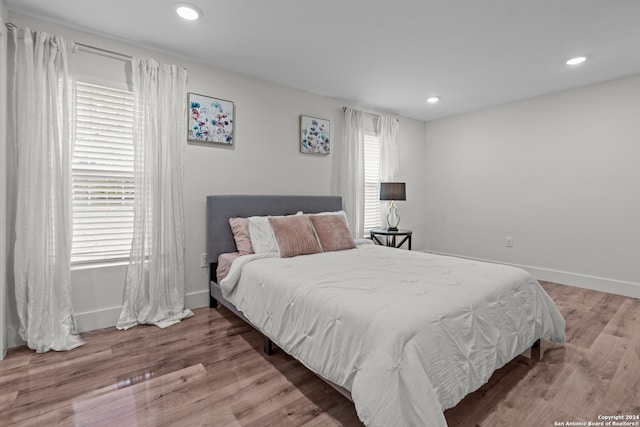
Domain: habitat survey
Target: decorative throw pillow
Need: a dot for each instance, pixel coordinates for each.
(240, 229)
(295, 235)
(333, 232)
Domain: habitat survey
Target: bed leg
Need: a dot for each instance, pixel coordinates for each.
(267, 346)
(535, 350)
(213, 303)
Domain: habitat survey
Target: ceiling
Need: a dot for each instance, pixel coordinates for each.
(386, 55)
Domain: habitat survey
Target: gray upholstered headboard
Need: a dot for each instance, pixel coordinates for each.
(221, 208)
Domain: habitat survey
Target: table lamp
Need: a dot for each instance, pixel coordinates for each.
(393, 191)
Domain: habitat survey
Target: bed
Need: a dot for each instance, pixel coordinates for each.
(405, 335)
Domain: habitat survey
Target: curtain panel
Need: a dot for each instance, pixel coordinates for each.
(155, 281)
(42, 133)
(351, 170)
(387, 130)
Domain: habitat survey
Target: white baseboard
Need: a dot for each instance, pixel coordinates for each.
(197, 299)
(97, 319)
(602, 284)
(106, 317)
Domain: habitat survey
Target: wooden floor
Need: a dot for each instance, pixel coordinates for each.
(210, 370)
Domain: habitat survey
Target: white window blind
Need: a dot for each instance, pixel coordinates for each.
(102, 174)
(371, 183)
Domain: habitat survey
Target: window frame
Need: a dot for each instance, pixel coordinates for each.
(102, 176)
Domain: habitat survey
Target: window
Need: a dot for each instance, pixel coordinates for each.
(102, 174)
(371, 183)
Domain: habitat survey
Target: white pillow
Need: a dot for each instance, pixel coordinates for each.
(341, 212)
(263, 240)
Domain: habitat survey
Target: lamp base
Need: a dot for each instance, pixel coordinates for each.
(393, 217)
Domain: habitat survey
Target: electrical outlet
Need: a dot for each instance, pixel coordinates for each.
(203, 261)
(508, 242)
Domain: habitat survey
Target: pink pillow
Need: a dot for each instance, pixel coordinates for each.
(295, 235)
(240, 229)
(333, 232)
(224, 264)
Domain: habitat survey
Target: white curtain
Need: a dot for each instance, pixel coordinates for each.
(388, 137)
(351, 173)
(387, 130)
(42, 114)
(155, 280)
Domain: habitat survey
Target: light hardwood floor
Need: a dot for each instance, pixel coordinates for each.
(210, 370)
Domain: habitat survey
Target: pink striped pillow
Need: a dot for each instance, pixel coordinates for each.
(295, 235)
(333, 232)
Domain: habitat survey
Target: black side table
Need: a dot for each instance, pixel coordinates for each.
(390, 237)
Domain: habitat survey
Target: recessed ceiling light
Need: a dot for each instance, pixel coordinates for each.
(188, 11)
(433, 99)
(577, 60)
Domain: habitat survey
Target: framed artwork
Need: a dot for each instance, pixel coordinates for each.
(314, 135)
(211, 120)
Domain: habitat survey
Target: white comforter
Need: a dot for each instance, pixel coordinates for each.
(409, 334)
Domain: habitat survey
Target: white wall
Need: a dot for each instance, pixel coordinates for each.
(264, 160)
(3, 180)
(559, 173)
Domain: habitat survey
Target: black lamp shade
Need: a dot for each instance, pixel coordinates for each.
(393, 191)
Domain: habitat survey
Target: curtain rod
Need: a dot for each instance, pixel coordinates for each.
(368, 114)
(11, 26)
(107, 51)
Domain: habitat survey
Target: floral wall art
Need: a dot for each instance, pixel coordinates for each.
(211, 120)
(314, 135)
